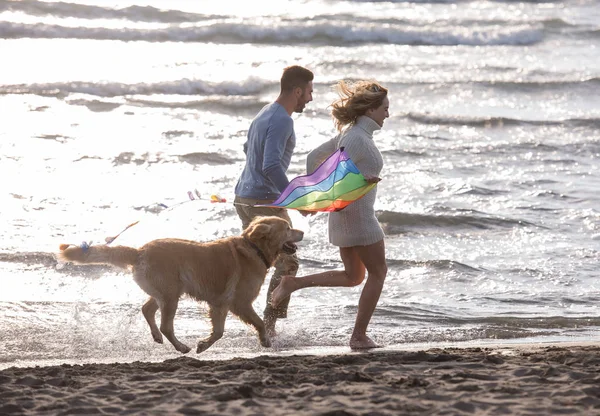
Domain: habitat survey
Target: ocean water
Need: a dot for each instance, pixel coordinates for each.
(112, 110)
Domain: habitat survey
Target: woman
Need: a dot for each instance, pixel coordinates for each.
(360, 110)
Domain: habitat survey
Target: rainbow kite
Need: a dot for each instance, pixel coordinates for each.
(335, 184)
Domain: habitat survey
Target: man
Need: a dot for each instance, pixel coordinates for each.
(269, 148)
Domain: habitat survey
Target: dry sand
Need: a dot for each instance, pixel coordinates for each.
(498, 380)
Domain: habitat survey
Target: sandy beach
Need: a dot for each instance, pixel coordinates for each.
(499, 380)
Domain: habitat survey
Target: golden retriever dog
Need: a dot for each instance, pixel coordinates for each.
(226, 273)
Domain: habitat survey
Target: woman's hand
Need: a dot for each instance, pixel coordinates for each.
(372, 179)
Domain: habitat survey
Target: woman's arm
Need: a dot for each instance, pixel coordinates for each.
(361, 151)
(318, 155)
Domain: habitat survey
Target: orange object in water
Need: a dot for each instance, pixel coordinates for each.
(217, 198)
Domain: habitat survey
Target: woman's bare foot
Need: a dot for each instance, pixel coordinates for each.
(362, 342)
(282, 291)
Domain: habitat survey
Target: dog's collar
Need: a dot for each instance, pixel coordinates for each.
(259, 252)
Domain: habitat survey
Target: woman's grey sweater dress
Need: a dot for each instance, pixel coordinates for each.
(355, 225)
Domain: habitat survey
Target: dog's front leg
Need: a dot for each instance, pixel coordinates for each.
(217, 314)
(247, 314)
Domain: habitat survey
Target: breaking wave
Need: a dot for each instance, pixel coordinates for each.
(331, 33)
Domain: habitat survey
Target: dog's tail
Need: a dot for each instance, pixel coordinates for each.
(120, 256)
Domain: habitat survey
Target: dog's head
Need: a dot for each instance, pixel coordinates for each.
(273, 235)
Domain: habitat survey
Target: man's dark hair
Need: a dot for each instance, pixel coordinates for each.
(295, 76)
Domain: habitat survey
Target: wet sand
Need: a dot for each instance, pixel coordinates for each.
(499, 380)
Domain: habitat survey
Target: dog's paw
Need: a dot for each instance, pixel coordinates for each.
(158, 338)
(184, 349)
(203, 346)
(265, 342)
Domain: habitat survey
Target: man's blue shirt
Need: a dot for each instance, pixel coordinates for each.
(269, 148)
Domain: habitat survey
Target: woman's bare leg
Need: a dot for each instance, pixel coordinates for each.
(352, 275)
(356, 260)
(373, 257)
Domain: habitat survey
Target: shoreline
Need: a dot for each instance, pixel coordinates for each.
(221, 354)
(541, 378)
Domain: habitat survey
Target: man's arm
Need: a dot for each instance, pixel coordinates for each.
(275, 143)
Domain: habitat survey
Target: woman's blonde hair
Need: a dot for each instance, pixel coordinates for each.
(355, 99)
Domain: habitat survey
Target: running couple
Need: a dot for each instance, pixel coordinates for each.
(359, 111)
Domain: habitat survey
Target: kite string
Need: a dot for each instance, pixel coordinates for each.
(193, 196)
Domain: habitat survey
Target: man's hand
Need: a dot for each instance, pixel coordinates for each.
(372, 179)
(306, 213)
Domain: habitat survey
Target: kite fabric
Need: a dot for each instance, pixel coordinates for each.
(334, 185)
